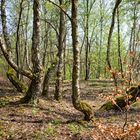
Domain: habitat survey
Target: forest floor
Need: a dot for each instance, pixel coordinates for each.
(53, 120)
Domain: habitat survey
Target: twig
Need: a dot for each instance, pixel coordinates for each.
(60, 9)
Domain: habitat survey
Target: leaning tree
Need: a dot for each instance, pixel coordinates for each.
(85, 108)
(36, 74)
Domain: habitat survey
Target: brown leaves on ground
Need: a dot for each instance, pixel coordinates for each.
(53, 120)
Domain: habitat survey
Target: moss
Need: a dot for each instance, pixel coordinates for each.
(75, 128)
(86, 106)
(86, 109)
(15, 81)
(135, 105)
(107, 106)
(133, 91)
(3, 102)
(120, 103)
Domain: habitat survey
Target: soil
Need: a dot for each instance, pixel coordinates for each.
(53, 120)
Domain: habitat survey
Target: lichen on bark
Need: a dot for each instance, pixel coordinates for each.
(20, 86)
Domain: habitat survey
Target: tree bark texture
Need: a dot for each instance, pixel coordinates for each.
(120, 66)
(18, 39)
(35, 87)
(109, 39)
(58, 86)
(78, 104)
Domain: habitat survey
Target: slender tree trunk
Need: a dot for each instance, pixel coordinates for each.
(101, 38)
(78, 104)
(26, 59)
(120, 66)
(87, 42)
(65, 57)
(18, 39)
(35, 87)
(58, 86)
(50, 72)
(4, 27)
(109, 40)
(45, 44)
(132, 45)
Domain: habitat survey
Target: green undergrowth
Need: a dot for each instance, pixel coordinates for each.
(75, 128)
(3, 102)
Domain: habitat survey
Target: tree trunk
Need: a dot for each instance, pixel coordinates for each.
(109, 40)
(4, 26)
(78, 104)
(65, 57)
(101, 38)
(20, 86)
(18, 39)
(120, 67)
(51, 70)
(87, 42)
(26, 60)
(35, 87)
(58, 86)
(132, 46)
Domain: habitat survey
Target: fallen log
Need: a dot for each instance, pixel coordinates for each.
(119, 103)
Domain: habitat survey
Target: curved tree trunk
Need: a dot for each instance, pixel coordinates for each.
(77, 103)
(6, 44)
(6, 50)
(20, 86)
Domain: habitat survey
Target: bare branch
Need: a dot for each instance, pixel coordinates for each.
(60, 9)
(11, 63)
(51, 26)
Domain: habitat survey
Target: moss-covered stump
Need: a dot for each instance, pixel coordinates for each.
(120, 102)
(15, 81)
(85, 108)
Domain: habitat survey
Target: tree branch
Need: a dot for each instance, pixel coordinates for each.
(51, 26)
(60, 9)
(11, 63)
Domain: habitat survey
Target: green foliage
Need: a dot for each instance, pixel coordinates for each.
(35, 111)
(75, 128)
(3, 102)
(2, 61)
(2, 132)
(45, 133)
(2, 66)
(50, 7)
(56, 122)
(50, 130)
